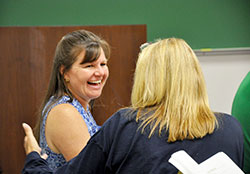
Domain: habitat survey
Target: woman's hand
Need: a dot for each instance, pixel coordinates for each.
(30, 143)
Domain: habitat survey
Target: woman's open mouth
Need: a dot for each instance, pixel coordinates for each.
(97, 82)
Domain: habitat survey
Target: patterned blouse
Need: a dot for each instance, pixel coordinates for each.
(56, 160)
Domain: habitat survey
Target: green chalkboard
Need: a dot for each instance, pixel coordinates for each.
(202, 23)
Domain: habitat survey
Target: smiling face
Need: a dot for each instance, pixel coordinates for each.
(86, 81)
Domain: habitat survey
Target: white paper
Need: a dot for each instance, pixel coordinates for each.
(219, 163)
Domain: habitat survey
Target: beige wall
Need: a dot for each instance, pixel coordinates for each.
(223, 74)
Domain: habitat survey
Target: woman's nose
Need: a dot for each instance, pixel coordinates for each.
(99, 71)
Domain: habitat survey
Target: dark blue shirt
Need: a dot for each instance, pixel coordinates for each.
(120, 147)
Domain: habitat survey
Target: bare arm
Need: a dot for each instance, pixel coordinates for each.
(66, 132)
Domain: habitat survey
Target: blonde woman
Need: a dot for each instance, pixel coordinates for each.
(169, 112)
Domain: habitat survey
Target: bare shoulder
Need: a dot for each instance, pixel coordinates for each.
(65, 124)
(63, 117)
(64, 109)
(64, 112)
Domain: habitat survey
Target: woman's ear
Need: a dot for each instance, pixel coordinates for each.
(61, 69)
(64, 74)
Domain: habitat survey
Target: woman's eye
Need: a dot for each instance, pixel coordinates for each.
(88, 66)
(103, 64)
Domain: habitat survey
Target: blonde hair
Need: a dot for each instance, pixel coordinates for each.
(168, 80)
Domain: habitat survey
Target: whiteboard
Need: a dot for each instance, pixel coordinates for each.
(223, 72)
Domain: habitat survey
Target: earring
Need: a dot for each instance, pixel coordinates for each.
(66, 80)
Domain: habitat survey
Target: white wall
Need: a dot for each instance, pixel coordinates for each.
(223, 75)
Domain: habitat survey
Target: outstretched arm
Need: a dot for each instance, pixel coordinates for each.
(90, 160)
